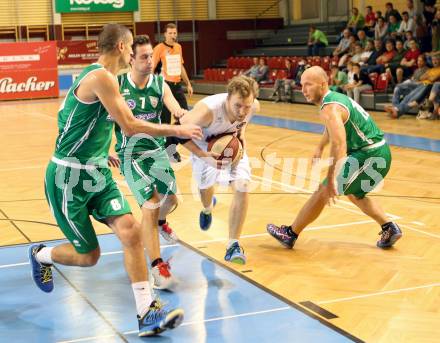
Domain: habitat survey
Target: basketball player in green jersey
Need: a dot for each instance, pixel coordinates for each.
(360, 156)
(78, 182)
(145, 163)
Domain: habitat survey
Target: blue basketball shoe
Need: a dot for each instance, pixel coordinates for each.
(158, 319)
(389, 235)
(205, 219)
(235, 254)
(41, 273)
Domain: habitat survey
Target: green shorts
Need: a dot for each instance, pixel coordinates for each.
(145, 175)
(75, 194)
(363, 171)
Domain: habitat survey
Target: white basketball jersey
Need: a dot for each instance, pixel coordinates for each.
(220, 123)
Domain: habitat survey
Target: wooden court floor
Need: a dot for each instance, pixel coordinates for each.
(376, 295)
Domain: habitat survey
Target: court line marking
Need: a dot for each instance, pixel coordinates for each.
(195, 322)
(392, 216)
(394, 291)
(194, 243)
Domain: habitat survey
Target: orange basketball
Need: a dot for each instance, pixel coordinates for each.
(227, 145)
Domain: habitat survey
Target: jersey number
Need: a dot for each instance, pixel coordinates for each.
(142, 101)
(116, 205)
(359, 109)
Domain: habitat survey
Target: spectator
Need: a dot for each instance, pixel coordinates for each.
(408, 37)
(429, 14)
(435, 30)
(317, 40)
(344, 44)
(338, 79)
(415, 91)
(393, 27)
(361, 83)
(383, 59)
(369, 48)
(422, 34)
(409, 62)
(350, 77)
(252, 71)
(370, 21)
(391, 11)
(377, 51)
(362, 38)
(356, 58)
(407, 24)
(394, 63)
(410, 9)
(262, 71)
(302, 65)
(381, 29)
(283, 87)
(356, 22)
(351, 51)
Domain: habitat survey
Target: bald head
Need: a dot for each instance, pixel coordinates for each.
(315, 74)
(314, 82)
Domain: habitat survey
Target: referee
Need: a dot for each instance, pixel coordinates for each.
(169, 54)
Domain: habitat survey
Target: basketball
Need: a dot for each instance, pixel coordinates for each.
(227, 145)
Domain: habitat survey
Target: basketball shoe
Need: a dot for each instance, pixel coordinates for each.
(158, 319)
(283, 234)
(205, 218)
(389, 235)
(235, 254)
(41, 273)
(168, 234)
(162, 276)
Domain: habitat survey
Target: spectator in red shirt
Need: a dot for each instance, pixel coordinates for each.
(370, 21)
(408, 63)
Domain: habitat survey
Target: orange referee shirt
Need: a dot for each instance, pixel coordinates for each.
(172, 60)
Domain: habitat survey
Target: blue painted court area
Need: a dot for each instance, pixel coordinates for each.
(96, 304)
(405, 141)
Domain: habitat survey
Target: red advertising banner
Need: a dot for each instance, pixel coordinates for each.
(77, 52)
(28, 70)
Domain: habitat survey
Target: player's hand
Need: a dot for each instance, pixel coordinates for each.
(332, 192)
(179, 113)
(113, 161)
(189, 88)
(211, 158)
(190, 131)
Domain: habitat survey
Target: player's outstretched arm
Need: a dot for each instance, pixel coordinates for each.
(106, 89)
(171, 103)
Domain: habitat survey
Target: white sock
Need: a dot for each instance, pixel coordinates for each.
(45, 255)
(142, 296)
(231, 242)
(207, 210)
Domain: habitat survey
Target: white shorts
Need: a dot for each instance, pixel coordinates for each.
(207, 176)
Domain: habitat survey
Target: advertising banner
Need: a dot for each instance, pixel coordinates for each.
(69, 6)
(28, 70)
(77, 52)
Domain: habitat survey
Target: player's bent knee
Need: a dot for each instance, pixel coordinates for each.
(131, 235)
(89, 259)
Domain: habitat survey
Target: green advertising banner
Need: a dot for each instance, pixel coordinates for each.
(72, 6)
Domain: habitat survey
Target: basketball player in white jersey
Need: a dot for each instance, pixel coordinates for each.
(219, 114)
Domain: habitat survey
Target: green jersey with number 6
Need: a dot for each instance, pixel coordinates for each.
(146, 104)
(84, 131)
(360, 129)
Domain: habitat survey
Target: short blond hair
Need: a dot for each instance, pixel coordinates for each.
(244, 86)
